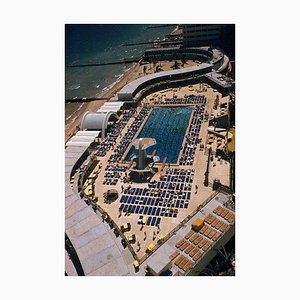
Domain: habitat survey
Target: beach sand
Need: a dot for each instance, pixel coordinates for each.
(70, 127)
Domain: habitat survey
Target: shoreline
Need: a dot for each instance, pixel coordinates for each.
(111, 90)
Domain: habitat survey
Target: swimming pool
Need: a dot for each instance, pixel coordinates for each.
(168, 126)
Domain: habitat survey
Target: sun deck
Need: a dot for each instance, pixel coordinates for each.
(155, 210)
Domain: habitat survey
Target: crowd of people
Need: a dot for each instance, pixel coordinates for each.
(192, 137)
(127, 138)
(188, 99)
(110, 141)
(113, 173)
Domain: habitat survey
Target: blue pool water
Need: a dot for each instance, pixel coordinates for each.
(168, 126)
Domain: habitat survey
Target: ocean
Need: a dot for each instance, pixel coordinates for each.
(91, 43)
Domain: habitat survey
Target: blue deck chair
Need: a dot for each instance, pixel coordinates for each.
(149, 220)
(158, 211)
(137, 209)
(122, 206)
(149, 210)
(153, 221)
(148, 201)
(145, 210)
(157, 221)
(153, 211)
(152, 201)
(125, 207)
(141, 209)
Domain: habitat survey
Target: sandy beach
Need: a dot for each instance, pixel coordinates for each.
(95, 105)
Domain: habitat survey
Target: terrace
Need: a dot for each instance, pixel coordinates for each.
(155, 209)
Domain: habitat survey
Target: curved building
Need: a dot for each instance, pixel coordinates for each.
(97, 120)
(129, 91)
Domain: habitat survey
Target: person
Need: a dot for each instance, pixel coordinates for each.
(154, 235)
(122, 188)
(145, 235)
(139, 246)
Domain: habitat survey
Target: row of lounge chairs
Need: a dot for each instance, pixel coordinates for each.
(191, 99)
(225, 213)
(116, 168)
(216, 223)
(197, 240)
(110, 181)
(200, 240)
(173, 186)
(149, 210)
(157, 202)
(176, 171)
(157, 193)
(150, 221)
(112, 174)
(177, 178)
(184, 263)
(210, 232)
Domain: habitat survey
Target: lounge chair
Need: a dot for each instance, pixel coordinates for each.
(189, 234)
(198, 255)
(149, 220)
(193, 237)
(189, 249)
(184, 245)
(179, 243)
(174, 255)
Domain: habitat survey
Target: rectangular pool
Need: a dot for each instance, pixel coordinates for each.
(168, 126)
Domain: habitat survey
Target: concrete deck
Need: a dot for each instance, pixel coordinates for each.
(98, 249)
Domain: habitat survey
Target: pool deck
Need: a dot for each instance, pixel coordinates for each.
(220, 171)
(104, 254)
